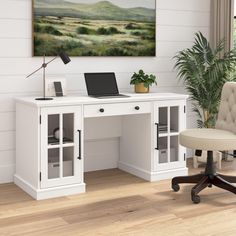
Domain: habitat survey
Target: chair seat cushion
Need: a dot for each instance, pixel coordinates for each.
(208, 139)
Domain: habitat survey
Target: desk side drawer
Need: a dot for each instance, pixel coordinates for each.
(116, 109)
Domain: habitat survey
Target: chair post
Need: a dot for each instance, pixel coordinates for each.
(210, 166)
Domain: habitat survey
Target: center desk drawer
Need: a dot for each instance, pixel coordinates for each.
(116, 109)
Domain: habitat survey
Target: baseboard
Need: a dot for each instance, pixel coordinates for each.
(28, 188)
(40, 194)
(152, 176)
(141, 173)
(168, 174)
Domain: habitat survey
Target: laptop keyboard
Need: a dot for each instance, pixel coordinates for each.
(114, 96)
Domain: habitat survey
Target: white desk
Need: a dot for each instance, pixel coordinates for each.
(146, 127)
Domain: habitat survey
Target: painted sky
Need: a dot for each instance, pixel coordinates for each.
(123, 3)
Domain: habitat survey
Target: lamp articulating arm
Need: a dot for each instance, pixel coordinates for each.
(44, 65)
(63, 57)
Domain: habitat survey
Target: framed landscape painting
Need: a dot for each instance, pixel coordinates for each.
(94, 27)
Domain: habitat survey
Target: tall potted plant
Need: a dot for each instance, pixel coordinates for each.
(204, 71)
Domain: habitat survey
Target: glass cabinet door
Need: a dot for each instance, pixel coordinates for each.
(168, 153)
(61, 146)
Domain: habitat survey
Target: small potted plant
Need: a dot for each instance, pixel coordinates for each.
(142, 81)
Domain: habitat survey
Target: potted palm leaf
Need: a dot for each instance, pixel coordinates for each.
(204, 71)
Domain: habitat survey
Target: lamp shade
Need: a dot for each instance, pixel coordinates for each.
(64, 57)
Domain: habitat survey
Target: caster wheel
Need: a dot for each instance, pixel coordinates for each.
(210, 186)
(175, 187)
(196, 199)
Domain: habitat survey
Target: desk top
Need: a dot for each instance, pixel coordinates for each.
(85, 100)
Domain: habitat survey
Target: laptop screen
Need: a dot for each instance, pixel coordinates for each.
(101, 84)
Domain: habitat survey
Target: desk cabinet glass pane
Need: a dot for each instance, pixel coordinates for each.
(53, 129)
(61, 145)
(53, 163)
(174, 119)
(68, 128)
(163, 120)
(163, 150)
(174, 148)
(68, 163)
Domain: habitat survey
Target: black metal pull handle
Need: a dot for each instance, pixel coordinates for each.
(157, 147)
(137, 108)
(101, 110)
(79, 157)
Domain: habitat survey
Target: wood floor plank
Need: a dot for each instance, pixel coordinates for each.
(31, 227)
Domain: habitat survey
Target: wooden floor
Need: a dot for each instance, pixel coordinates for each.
(117, 203)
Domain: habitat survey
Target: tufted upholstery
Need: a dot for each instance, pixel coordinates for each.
(227, 112)
(223, 137)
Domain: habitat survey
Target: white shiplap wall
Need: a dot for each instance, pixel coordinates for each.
(177, 21)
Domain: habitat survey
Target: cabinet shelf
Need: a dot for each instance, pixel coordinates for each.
(54, 141)
(163, 135)
(50, 146)
(68, 144)
(174, 133)
(168, 134)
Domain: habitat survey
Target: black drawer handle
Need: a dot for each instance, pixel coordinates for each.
(101, 110)
(137, 108)
(79, 157)
(157, 147)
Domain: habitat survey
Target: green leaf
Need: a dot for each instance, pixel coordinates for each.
(204, 72)
(141, 77)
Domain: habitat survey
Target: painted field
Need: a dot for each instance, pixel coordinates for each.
(96, 29)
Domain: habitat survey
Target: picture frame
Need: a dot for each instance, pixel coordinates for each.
(87, 27)
(50, 88)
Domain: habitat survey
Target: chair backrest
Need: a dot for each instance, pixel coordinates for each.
(227, 110)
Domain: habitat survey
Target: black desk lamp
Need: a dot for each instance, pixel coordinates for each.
(64, 57)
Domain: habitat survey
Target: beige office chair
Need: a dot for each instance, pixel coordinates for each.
(222, 138)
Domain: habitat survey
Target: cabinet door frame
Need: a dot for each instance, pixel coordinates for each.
(181, 104)
(78, 163)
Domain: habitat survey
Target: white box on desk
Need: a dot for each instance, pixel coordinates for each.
(49, 86)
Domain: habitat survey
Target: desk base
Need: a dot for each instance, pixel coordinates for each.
(152, 176)
(40, 194)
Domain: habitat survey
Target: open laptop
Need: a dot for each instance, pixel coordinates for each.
(102, 85)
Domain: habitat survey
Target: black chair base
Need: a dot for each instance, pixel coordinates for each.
(207, 179)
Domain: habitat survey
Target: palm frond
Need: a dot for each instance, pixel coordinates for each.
(204, 72)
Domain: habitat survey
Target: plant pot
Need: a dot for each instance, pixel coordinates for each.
(140, 88)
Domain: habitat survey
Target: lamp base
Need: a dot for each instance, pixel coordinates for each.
(43, 99)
